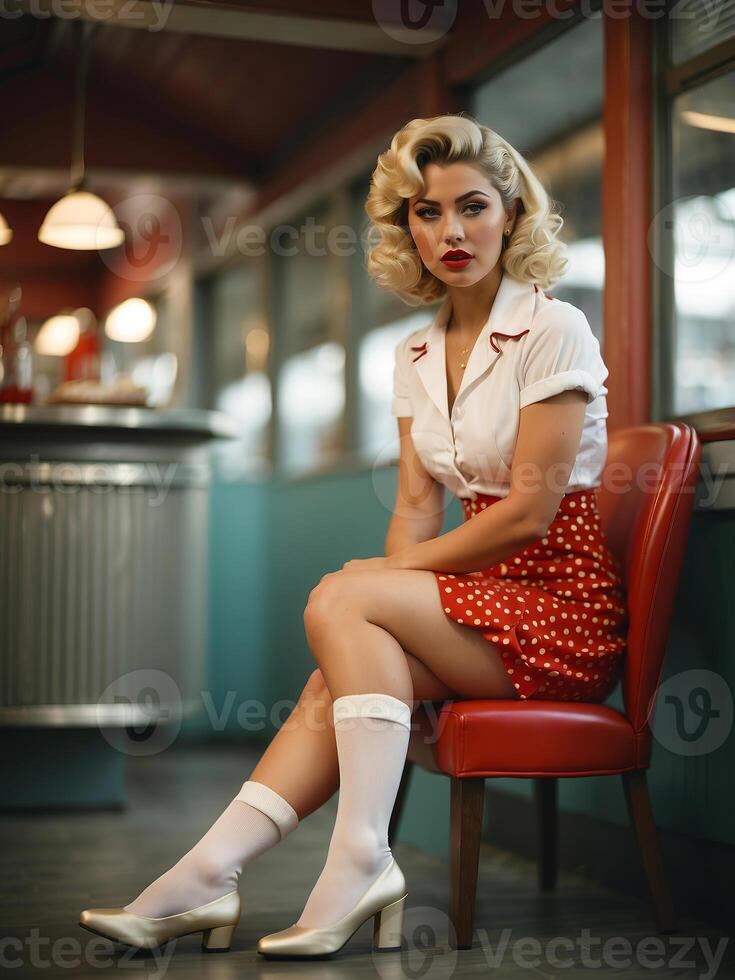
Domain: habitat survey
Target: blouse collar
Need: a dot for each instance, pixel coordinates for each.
(510, 318)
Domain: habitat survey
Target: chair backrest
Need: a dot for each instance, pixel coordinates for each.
(646, 502)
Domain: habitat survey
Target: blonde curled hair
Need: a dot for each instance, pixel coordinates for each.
(533, 254)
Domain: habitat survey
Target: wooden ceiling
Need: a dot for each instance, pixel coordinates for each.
(206, 91)
(207, 100)
(241, 106)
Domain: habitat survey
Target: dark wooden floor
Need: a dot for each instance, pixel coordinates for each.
(56, 864)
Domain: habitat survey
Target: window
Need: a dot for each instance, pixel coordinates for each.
(312, 302)
(311, 397)
(698, 26)
(703, 135)
(239, 382)
(376, 355)
(557, 126)
(693, 237)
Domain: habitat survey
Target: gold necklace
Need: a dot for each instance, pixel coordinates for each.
(465, 350)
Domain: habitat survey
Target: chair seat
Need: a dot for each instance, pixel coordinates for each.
(525, 739)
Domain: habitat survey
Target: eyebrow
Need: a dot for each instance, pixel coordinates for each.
(425, 200)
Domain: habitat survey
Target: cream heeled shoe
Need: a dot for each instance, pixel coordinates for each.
(217, 921)
(385, 899)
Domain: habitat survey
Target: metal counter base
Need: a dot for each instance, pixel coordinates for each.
(103, 566)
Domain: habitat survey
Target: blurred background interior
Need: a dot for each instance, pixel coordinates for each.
(195, 410)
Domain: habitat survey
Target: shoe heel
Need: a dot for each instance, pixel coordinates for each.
(218, 940)
(388, 926)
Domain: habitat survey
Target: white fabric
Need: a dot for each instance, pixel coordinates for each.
(212, 868)
(551, 349)
(371, 732)
(370, 706)
(266, 799)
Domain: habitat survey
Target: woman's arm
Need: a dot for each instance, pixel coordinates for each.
(418, 514)
(549, 434)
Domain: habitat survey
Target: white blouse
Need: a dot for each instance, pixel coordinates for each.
(532, 347)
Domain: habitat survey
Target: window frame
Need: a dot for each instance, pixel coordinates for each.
(671, 81)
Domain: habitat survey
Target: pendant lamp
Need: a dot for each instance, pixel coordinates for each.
(5, 233)
(58, 336)
(131, 322)
(80, 219)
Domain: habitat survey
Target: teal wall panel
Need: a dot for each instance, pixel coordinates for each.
(237, 619)
(61, 767)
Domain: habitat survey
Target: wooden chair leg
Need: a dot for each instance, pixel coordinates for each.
(546, 815)
(467, 800)
(398, 806)
(641, 816)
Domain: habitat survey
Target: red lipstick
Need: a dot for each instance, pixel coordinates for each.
(456, 258)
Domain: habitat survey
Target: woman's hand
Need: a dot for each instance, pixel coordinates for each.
(368, 564)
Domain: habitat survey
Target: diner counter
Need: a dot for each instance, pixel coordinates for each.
(103, 563)
(206, 424)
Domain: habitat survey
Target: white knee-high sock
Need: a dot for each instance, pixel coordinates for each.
(255, 820)
(372, 733)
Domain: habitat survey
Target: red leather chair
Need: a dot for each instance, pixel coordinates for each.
(646, 527)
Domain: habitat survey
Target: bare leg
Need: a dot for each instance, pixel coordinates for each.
(360, 626)
(300, 765)
(300, 762)
(361, 623)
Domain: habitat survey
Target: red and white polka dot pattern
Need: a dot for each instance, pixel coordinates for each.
(556, 611)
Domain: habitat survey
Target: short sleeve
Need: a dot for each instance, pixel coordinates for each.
(400, 406)
(562, 353)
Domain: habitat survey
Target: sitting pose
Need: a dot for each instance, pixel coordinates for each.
(500, 399)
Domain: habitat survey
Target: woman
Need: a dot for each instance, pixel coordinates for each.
(501, 399)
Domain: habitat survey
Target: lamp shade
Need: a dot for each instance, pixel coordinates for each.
(131, 321)
(5, 233)
(81, 220)
(58, 336)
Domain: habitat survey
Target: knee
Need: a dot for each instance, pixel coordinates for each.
(325, 599)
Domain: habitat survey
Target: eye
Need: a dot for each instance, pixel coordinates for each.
(424, 212)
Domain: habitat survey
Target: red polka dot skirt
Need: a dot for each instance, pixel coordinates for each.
(556, 611)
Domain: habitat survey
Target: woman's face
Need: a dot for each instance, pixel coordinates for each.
(458, 210)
